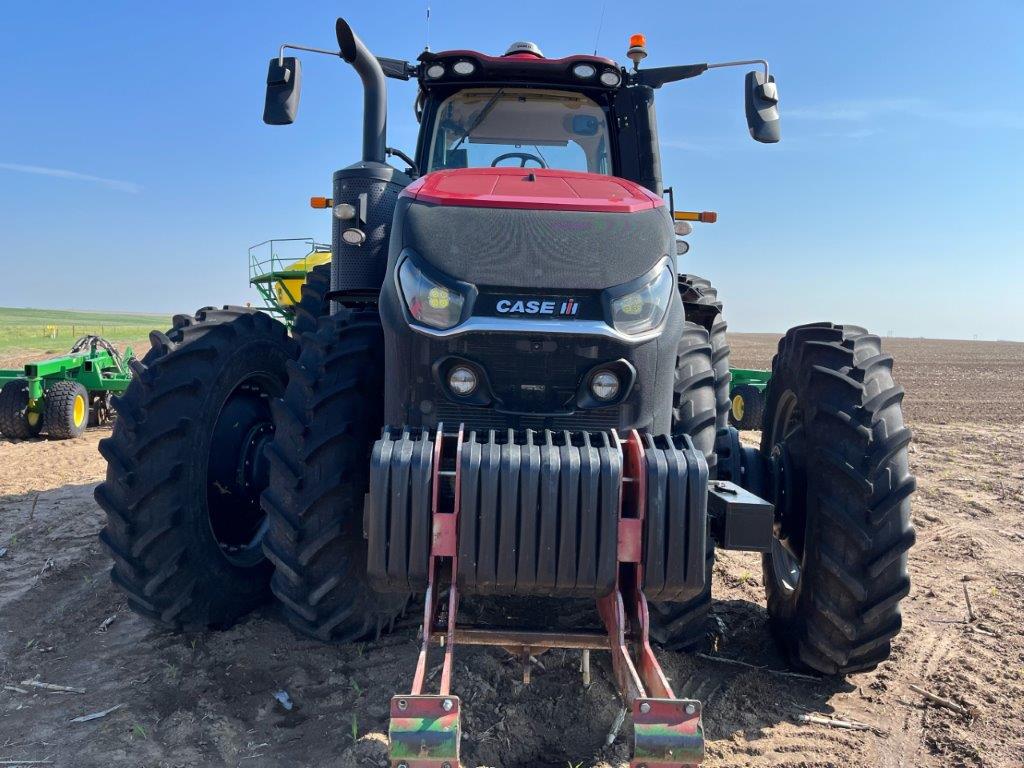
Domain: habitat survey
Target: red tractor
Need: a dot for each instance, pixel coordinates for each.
(512, 394)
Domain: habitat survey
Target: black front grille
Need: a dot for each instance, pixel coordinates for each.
(532, 375)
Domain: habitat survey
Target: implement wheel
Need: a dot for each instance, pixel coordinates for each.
(746, 409)
(835, 448)
(16, 420)
(65, 410)
(101, 412)
(186, 466)
(331, 413)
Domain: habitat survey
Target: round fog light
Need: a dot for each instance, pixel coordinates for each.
(462, 380)
(604, 385)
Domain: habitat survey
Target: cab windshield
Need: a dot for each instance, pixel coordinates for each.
(520, 127)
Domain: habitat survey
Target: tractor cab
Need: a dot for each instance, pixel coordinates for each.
(523, 110)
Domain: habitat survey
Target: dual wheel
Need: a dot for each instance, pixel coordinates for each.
(834, 462)
(238, 465)
(65, 411)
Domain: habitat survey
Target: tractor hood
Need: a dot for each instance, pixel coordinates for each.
(533, 188)
(533, 228)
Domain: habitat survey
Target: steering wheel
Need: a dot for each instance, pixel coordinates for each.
(524, 156)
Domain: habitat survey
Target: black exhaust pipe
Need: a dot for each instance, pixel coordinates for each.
(375, 91)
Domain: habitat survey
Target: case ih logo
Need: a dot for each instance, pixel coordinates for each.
(562, 307)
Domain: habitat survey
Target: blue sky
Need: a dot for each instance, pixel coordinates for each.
(135, 170)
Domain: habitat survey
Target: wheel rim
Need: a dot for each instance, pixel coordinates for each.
(33, 418)
(737, 407)
(79, 410)
(786, 462)
(237, 471)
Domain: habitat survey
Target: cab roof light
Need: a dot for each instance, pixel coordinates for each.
(321, 202)
(637, 50)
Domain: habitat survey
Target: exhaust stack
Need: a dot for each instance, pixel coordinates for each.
(375, 91)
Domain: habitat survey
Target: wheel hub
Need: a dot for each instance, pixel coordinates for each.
(786, 555)
(237, 473)
(737, 407)
(787, 485)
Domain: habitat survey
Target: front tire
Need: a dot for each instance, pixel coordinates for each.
(699, 290)
(313, 303)
(331, 413)
(185, 468)
(687, 625)
(836, 452)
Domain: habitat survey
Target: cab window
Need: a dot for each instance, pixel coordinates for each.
(520, 127)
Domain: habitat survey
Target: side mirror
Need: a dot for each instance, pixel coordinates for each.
(762, 104)
(284, 83)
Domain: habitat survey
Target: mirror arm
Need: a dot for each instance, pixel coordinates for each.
(292, 47)
(396, 68)
(658, 76)
(743, 63)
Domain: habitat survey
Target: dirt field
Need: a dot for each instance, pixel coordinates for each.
(208, 699)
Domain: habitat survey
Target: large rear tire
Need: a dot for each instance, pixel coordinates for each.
(185, 467)
(836, 452)
(687, 625)
(331, 413)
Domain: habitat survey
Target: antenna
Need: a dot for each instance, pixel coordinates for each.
(600, 24)
(426, 43)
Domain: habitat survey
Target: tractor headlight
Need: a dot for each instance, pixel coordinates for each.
(428, 301)
(644, 308)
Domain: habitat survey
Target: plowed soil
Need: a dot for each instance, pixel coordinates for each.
(208, 699)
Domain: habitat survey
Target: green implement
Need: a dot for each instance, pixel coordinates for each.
(746, 395)
(278, 270)
(63, 395)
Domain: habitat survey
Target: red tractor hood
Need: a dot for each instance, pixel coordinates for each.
(532, 188)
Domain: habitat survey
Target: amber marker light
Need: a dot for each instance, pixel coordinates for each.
(706, 217)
